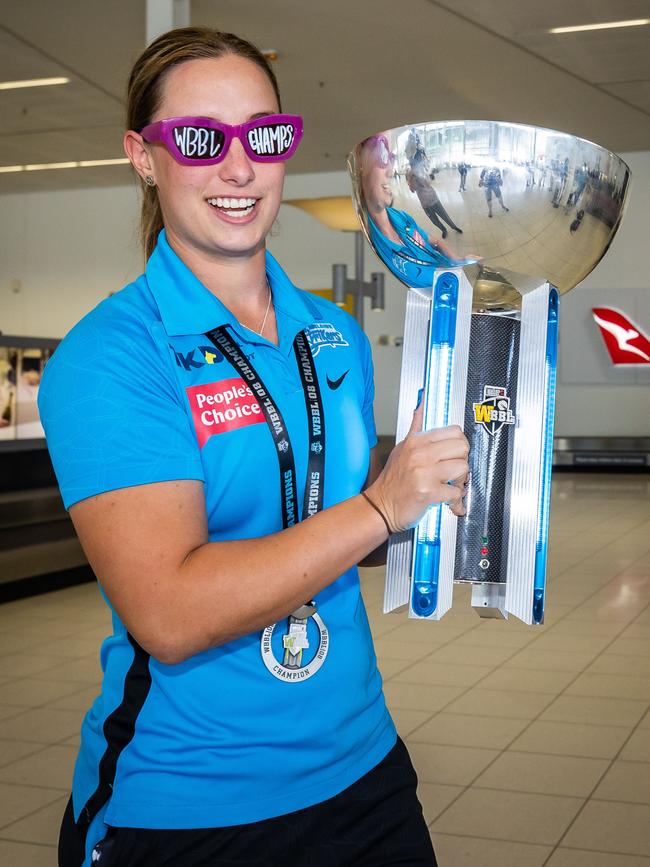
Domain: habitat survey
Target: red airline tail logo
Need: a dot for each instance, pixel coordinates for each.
(625, 342)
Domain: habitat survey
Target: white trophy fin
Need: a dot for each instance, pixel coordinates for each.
(525, 491)
(414, 348)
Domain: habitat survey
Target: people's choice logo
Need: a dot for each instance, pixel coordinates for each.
(625, 342)
(222, 406)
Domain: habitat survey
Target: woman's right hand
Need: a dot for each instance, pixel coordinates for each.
(427, 467)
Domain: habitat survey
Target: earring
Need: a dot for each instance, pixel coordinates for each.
(149, 181)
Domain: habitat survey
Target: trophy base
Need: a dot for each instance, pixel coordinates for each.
(489, 601)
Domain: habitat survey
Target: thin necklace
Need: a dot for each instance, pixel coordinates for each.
(268, 307)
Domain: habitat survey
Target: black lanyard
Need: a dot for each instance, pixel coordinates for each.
(313, 497)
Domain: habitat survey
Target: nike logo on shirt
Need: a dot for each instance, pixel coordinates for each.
(335, 383)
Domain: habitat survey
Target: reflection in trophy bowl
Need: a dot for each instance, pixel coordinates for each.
(520, 203)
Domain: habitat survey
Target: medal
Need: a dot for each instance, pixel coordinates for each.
(286, 661)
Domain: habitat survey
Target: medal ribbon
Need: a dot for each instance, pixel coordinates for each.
(313, 496)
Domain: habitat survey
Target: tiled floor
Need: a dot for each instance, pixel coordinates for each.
(532, 744)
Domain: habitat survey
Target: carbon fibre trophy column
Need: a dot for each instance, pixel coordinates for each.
(486, 224)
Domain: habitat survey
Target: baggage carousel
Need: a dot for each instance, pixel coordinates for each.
(625, 454)
(39, 550)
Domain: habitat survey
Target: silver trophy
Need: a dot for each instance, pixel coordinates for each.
(487, 224)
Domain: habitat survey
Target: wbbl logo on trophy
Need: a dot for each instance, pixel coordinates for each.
(493, 412)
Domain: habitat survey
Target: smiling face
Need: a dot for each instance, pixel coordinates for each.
(377, 174)
(223, 211)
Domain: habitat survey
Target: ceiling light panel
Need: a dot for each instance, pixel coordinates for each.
(33, 82)
(600, 57)
(610, 25)
(70, 164)
(75, 143)
(20, 61)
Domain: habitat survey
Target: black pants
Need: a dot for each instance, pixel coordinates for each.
(436, 213)
(376, 822)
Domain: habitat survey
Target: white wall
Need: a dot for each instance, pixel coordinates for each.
(623, 278)
(62, 252)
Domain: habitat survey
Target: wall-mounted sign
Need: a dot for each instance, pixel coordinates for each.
(625, 341)
(22, 360)
(30, 370)
(8, 383)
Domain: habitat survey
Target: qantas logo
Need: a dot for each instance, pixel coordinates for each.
(625, 342)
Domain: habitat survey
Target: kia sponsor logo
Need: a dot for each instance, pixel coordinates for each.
(218, 407)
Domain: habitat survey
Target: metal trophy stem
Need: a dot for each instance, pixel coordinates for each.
(487, 224)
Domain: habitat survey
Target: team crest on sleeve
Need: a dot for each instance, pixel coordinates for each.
(294, 649)
(324, 334)
(493, 412)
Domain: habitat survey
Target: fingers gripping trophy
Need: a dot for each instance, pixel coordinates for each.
(485, 265)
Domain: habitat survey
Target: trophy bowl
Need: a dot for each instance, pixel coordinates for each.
(518, 201)
(486, 223)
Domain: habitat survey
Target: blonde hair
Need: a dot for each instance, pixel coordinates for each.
(144, 92)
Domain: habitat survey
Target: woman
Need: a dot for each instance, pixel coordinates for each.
(399, 240)
(419, 180)
(211, 428)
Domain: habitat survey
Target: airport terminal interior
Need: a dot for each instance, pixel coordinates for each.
(531, 741)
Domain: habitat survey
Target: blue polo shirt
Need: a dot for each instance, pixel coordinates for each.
(136, 394)
(414, 261)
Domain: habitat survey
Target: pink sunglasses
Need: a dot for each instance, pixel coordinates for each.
(201, 141)
(380, 149)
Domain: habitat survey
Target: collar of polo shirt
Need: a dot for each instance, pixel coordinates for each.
(187, 307)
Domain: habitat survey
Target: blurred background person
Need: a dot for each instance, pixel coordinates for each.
(491, 181)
